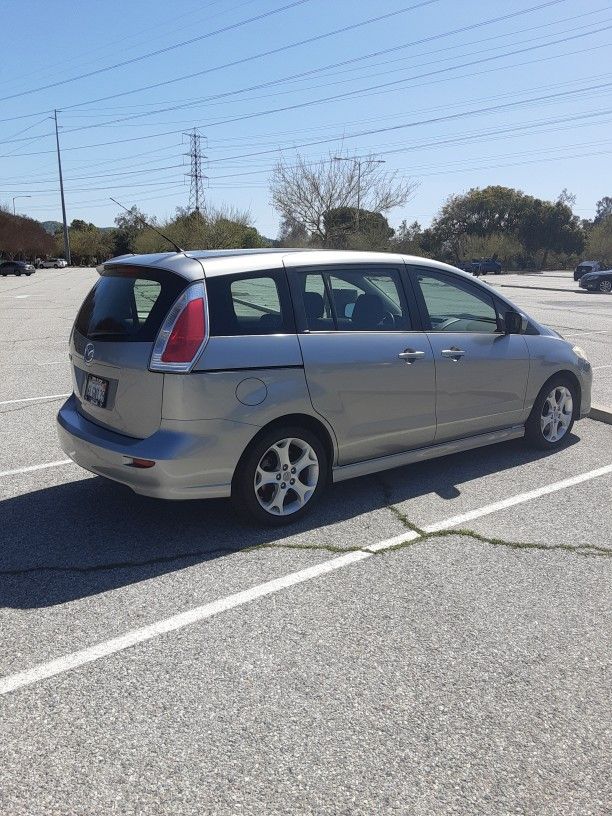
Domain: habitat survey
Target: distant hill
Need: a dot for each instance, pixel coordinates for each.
(51, 226)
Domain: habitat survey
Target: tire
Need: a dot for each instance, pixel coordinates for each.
(557, 399)
(55, 266)
(27, 274)
(605, 287)
(261, 457)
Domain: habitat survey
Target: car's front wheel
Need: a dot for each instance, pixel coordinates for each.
(281, 476)
(552, 416)
(605, 286)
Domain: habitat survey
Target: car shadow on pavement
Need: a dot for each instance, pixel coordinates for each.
(89, 536)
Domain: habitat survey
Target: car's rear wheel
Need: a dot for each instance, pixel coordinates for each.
(552, 416)
(280, 476)
(605, 286)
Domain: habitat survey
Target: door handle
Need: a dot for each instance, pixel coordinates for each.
(410, 356)
(454, 353)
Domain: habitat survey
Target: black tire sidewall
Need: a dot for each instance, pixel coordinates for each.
(243, 491)
(533, 430)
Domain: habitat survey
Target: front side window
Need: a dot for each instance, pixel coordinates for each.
(456, 307)
(355, 300)
(248, 304)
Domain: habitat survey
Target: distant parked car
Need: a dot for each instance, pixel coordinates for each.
(16, 268)
(53, 263)
(482, 266)
(584, 267)
(597, 281)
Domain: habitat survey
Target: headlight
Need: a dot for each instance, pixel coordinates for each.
(580, 353)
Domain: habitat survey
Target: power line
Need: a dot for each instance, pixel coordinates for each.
(393, 83)
(159, 51)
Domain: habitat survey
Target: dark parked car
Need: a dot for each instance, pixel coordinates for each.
(16, 268)
(597, 281)
(483, 266)
(584, 267)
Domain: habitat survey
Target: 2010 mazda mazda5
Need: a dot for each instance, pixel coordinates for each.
(265, 374)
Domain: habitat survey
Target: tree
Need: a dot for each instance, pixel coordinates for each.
(292, 233)
(550, 227)
(341, 229)
(565, 197)
(303, 191)
(407, 238)
(129, 225)
(599, 241)
(88, 244)
(22, 238)
(540, 226)
(214, 228)
(603, 208)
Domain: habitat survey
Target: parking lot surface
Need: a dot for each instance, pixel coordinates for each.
(432, 640)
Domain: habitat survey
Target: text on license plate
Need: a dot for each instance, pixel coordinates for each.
(96, 391)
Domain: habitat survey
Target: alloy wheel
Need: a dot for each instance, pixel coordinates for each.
(557, 413)
(286, 476)
(605, 286)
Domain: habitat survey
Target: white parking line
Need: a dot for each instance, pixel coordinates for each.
(598, 368)
(32, 468)
(35, 399)
(200, 613)
(81, 657)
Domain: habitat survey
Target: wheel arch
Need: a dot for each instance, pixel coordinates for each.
(566, 372)
(306, 421)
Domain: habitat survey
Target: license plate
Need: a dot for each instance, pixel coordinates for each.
(96, 391)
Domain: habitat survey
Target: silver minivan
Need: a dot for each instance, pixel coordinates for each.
(265, 374)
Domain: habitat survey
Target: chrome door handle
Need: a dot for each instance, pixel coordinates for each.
(454, 353)
(410, 356)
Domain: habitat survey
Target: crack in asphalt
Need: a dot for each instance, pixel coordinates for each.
(576, 549)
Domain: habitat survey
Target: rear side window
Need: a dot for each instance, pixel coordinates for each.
(249, 304)
(361, 299)
(128, 304)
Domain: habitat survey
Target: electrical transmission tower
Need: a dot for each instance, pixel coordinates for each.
(196, 190)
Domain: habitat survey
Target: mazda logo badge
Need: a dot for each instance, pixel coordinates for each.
(88, 354)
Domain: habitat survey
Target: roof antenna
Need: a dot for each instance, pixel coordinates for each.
(150, 226)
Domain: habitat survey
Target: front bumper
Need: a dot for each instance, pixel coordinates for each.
(193, 459)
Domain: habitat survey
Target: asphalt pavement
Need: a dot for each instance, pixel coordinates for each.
(166, 658)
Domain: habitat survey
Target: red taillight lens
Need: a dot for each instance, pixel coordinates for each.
(187, 335)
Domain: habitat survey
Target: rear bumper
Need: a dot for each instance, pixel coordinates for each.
(193, 459)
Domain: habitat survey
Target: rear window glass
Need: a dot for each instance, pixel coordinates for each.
(128, 305)
(249, 304)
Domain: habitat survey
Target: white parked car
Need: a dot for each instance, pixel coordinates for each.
(52, 263)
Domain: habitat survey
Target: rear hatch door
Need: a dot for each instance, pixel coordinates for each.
(111, 346)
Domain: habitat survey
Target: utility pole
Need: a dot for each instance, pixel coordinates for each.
(61, 181)
(196, 190)
(358, 162)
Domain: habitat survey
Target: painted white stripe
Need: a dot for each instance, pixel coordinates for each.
(200, 613)
(598, 368)
(108, 647)
(32, 468)
(455, 521)
(36, 399)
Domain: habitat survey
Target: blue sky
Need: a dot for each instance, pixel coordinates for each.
(545, 71)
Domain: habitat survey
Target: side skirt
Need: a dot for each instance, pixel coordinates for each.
(340, 473)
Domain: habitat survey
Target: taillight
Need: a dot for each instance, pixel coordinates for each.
(183, 333)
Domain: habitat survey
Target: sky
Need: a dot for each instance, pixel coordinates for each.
(452, 95)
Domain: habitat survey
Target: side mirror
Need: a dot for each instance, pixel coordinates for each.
(513, 322)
